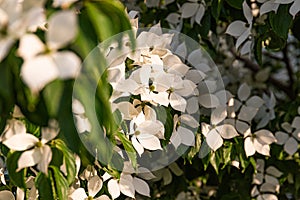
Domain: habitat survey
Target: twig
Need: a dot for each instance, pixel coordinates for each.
(288, 65)
(277, 83)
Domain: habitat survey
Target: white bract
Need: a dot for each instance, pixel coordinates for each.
(273, 5)
(127, 184)
(94, 186)
(145, 133)
(259, 142)
(242, 30)
(290, 137)
(266, 112)
(215, 132)
(265, 181)
(181, 134)
(44, 63)
(15, 19)
(36, 152)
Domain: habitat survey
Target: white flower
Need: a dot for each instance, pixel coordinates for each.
(242, 30)
(42, 64)
(259, 142)
(248, 105)
(289, 138)
(15, 19)
(265, 181)
(193, 10)
(94, 185)
(13, 127)
(127, 184)
(38, 152)
(266, 111)
(145, 133)
(273, 5)
(216, 132)
(181, 134)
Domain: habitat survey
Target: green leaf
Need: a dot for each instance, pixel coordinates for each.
(235, 3)
(108, 18)
(52, 186)
(44, 186)
(295, 28)
(281, 21)
(59, 183)
(68, 159)
(129, 148)
(52, 95)
(216, 8)
(17, 178)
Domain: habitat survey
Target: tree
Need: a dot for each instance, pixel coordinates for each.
(202, 104)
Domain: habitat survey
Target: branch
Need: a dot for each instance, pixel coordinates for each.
(277, 83)
(288, 65)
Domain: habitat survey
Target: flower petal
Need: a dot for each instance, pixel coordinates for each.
(149, 141)
(291, 146)
(281, 137)
(295, 8)
(68, 64)
(45, 159)
(5, 45)
(78, 194)
(218, 115)
(62, 29)
(94, 185)
(249, 147)
(113, 188)
(29, 158)
(30, 46)
(265, 137)
(209, 100)
(126, 185)
(177, 102)
(227, 131)
(236, 28)
(244, 92)
(7, 195)
(138, 147)
(141, 186)
(186, 135)
(214, 140)
(189, 9)
(268, 7)
(38, 72)
(21, 142)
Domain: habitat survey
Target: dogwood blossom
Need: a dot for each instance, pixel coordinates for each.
(62, 29)
(94, 185)
(290, 137)
(242, 30)
(15, 19)
(36, 152)
(258, 142)
(127, 184)
(216, 132)
(265, 181)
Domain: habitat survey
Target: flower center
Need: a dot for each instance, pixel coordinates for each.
(137, 132)
(39, 144)
(151, 88)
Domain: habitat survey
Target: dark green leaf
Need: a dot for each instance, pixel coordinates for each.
(52, 95)
(235, 3)
(17, 178)
(281, 21)
(68, 159)
(129, 148)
